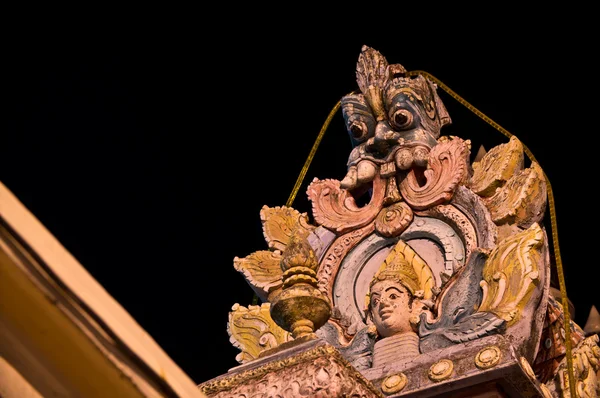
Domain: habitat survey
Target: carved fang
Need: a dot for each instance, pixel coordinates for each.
(349, 182)
(366, 171)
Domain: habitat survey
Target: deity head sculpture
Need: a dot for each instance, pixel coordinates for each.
(391, 306)
(399, 292)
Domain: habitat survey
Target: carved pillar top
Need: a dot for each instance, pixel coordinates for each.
(465, 238)
(310, 369)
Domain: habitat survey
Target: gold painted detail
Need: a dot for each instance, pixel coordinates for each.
(299, 263)
(392, 193)
(372, 75)
(586, 371)
(252, 330)
(404, 265)
(496, 167)
(522, 201)
(441, 370)
(280, 223)
(309, 373)
(527, 368)
(300, 307)
(394, 383)
(488, 357)
(262, 270)
(511, 274)
(545, 391)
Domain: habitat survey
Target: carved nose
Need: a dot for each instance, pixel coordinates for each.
(385, 138)
(383, 133)
(385, 302)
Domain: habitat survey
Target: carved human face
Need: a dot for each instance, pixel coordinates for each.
(390, 309)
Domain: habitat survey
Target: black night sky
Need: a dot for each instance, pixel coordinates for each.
(149, 155)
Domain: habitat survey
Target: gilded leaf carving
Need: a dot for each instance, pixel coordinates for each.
(262, 270)
(496, 167)
(371, 76)
(253, 331)
(336, 209)
(412, 270)
(279, 223)
(511, 273)
(446, 169)
(586, 371)
(522, 200)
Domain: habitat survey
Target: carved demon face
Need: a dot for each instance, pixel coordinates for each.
(394, 123)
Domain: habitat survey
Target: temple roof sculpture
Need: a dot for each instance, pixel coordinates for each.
(422, 272)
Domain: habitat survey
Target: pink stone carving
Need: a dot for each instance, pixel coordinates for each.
(447, 168)
(336, 209)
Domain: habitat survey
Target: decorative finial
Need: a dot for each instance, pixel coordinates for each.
(300, 308)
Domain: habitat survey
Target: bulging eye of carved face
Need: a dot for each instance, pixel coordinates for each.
(402, 112)
(390, 308)
(358, 130)
(358, 117)
(401, 119)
